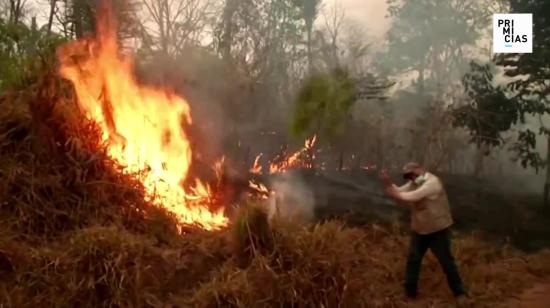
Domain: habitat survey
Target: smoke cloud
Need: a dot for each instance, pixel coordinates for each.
(293, 199)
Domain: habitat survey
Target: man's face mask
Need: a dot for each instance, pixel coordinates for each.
(416, 179)
(420, 180)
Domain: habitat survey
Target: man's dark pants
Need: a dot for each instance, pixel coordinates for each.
(440, 245)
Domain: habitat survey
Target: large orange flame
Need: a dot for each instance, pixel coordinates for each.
(141, 125)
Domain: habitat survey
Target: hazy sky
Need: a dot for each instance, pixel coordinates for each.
(370, 13)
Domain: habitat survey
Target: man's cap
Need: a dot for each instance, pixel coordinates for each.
(410, 166)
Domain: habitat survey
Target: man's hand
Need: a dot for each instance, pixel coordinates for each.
(391, 191)
(389, 188)
(385, 179)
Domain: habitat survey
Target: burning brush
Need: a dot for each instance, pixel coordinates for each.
(302, 158)
(143, 130)
(141, 126)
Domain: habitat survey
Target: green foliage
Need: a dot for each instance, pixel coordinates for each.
(488, 112)
(431, 34)
(310, 9)
(534, 89)
(531, 75)
(267, 32)
(25, 53)
(81, 17)
(28, 52)
(323, 103)
(524, 148)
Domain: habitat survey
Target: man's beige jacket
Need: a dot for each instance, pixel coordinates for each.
(430, 210)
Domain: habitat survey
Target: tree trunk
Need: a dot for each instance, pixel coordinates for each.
(12, 11)
(16, 8)
(309, 55)
(52, 13)
(421, 80)
(546, 192)
(379, 144)
(164, 27)
(247, 160)
(77, 20)
(226, 39)
(341, 160)
(478, 168)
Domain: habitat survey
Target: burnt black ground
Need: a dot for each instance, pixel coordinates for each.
(500, 214)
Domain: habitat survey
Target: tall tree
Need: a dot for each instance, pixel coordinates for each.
(16, 10)
(428, 37)
(262, 39)
(323, 103)
(309, 10)
(178, 23)
(78, 17)
(331, 34)
(53, 8)
(427, 45)
(25, 53)
(225, 29)
(531, 83)
(488, 112)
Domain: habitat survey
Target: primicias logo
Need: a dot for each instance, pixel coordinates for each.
(512, 33)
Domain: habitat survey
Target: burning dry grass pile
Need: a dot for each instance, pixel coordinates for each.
(76, 232)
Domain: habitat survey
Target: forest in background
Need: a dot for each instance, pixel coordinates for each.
(265, 75)
(81, 229)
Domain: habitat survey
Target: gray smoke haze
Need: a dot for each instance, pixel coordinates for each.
(292, 201)
(237, 116)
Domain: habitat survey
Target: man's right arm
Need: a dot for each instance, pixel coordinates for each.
(430, 187)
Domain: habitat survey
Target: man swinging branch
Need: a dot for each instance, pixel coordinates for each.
(430, 222)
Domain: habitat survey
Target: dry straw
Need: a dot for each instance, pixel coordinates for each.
(76, 232)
